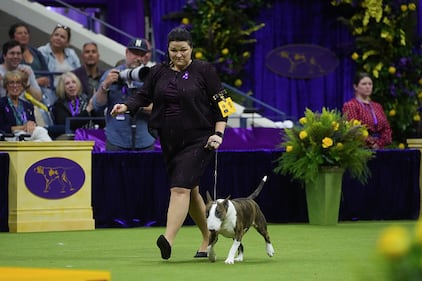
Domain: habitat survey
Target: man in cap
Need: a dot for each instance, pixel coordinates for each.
(125, 132)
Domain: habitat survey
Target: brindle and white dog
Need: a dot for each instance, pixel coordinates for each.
(232, 219)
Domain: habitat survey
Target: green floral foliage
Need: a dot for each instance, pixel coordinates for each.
(221, 31)
(324, 139)
(386, 48)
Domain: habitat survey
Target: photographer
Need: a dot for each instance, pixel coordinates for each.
(126, 132)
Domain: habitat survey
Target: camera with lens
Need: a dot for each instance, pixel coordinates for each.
(134, 74)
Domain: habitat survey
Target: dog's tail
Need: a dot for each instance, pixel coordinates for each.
(258, 189)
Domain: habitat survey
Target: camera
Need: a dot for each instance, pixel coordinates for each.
(134, 74)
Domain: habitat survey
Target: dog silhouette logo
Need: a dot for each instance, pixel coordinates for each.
(301, 61)
(54, 178)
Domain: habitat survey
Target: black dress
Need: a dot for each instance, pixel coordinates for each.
(184, 151)
(184, 116)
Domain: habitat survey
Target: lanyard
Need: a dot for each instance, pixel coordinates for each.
(18, 112)
(74, 110)
(371, 110)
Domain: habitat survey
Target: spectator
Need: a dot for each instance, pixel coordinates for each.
(125, 132)
(89, 73)
(12, 57)
(17, 115)
(370, 113)
(32, 57)
(72, 102)
(57, 53)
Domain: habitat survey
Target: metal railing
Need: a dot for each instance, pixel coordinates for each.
(91, 20)
(278, 114)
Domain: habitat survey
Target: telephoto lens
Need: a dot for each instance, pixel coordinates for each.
(134, 74)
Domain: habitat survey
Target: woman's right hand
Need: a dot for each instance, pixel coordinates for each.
(29, 127)
(118, 108)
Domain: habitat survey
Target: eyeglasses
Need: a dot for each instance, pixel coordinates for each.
(14, 83)
(62, 26)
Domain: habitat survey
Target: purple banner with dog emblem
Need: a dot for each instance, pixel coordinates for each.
(54, 178)
(301, 61)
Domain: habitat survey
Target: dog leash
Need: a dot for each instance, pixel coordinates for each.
(215, 176)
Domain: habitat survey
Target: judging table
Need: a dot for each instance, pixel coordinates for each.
(130, 188)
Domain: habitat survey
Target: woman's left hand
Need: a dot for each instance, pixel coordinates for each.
(214, 142)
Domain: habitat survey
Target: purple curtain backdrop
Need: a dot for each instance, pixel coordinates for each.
(301, 22)
(160, 9)
(127, 16)
(287, 22)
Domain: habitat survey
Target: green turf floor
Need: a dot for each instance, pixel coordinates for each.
(302, 252)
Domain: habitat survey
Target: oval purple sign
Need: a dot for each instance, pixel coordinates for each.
(301, 61)
(54, 178)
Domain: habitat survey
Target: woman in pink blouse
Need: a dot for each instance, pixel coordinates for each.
(370, 113)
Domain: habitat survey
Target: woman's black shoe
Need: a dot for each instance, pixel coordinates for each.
(201, 254)
(164, 246)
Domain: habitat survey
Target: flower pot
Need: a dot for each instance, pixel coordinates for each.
(323, 196)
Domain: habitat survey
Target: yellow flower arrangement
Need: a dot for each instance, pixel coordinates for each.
(401, 250)
(322, 139)
(385, 46)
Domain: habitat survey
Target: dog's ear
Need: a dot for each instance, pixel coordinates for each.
(226, 202)
(209, 199)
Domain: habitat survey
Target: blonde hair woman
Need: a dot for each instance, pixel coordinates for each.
(17, 115)
(72, 102)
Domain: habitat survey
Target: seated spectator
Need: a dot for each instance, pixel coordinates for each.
(370, 113)
(89, 73)
(32, 57)
(17, 115)
(72, 102)
(12, 56)
(57, 53)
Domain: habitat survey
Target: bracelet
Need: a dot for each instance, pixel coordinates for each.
(104, 88)
(220, 134)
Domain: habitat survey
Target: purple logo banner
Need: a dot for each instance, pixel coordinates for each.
(54, 178)
(301, 61)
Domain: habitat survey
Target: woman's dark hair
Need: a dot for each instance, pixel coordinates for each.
(13, 28)
(359, 76)
(179, 34)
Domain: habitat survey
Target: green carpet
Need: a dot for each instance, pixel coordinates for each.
(303, 252)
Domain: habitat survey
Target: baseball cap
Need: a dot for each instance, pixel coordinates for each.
(138, 44)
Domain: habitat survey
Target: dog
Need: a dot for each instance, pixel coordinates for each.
(52, 174)
(232, 219)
